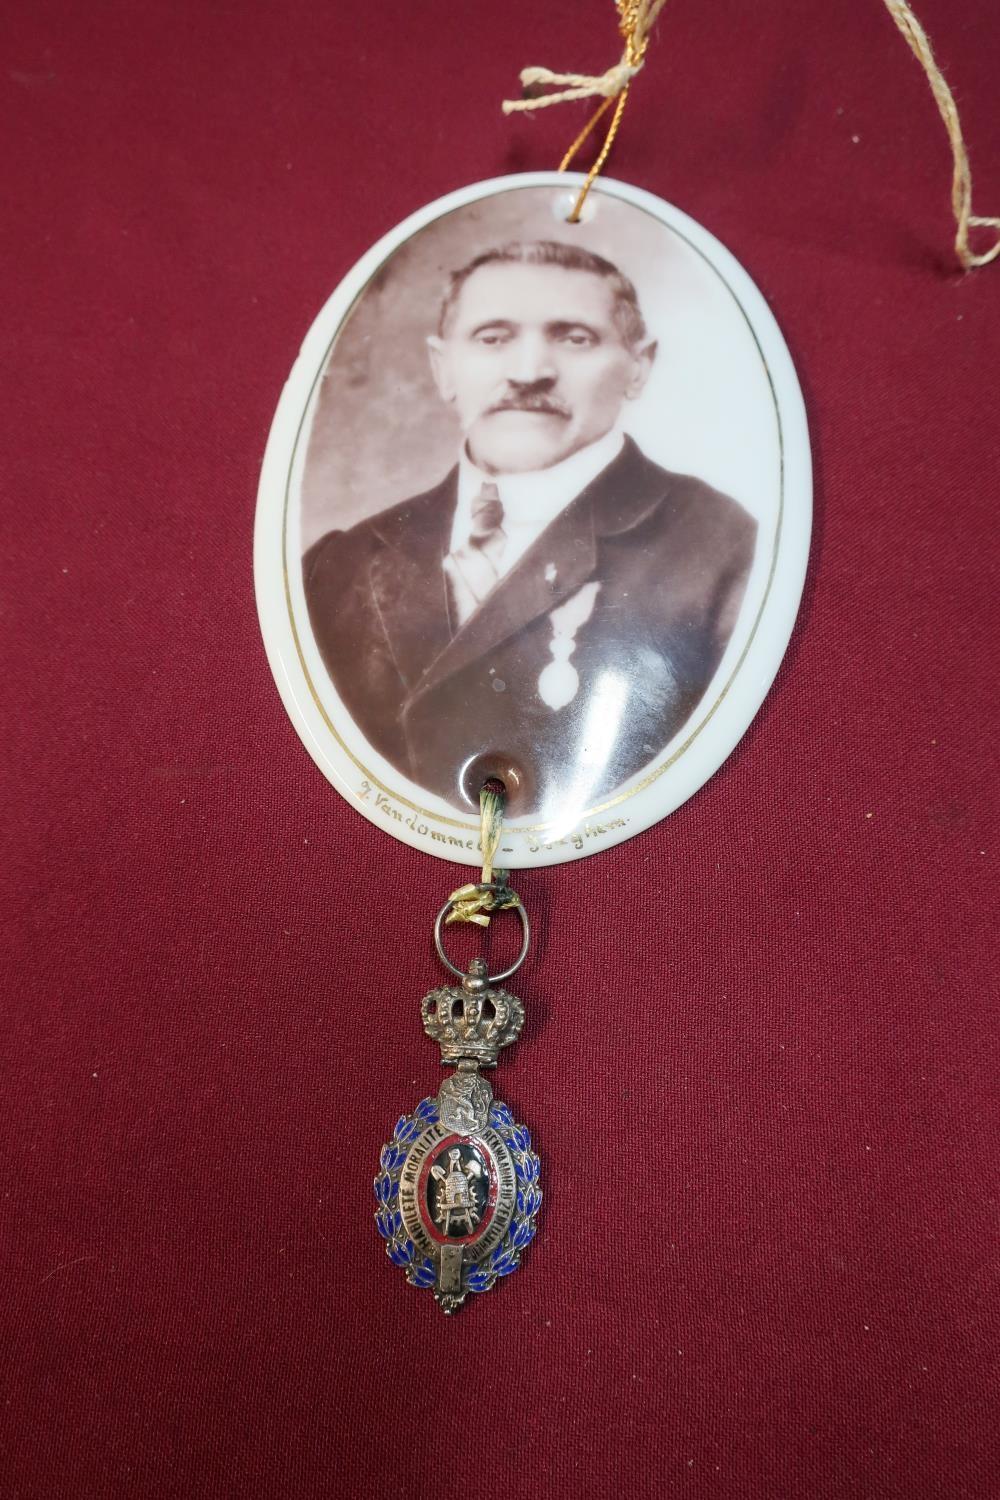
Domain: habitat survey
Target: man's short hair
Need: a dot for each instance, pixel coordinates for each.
(625, 310)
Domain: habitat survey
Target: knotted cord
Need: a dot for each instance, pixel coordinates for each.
(636, 19)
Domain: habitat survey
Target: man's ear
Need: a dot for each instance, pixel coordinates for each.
(439, 367)
(642, 364)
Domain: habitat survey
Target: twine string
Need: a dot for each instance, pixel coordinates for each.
(961, 178)
(636, 18)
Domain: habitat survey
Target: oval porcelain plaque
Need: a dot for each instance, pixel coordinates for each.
(535, 504)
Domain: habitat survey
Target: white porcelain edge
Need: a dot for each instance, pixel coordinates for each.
(717, 738)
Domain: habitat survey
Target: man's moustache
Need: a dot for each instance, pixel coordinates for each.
(542, 404)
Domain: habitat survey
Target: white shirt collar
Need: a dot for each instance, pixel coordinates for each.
(531, 501)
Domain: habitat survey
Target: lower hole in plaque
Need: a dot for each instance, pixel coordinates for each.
(499, 772)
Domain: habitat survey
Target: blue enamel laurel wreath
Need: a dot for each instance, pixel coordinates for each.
(389, 1221)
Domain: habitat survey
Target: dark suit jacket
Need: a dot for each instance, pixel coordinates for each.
(672, 557)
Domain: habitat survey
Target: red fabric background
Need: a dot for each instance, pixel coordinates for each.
(760, 1056)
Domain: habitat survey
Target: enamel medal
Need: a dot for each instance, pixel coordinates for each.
(458, 1187)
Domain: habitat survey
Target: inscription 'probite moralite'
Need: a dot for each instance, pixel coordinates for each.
(458, 1191)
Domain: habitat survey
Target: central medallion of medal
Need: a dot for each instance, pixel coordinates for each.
(457, 1193)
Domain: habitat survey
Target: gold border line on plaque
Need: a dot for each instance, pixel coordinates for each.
(672, 759)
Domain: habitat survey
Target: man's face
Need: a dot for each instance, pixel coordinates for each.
(535, 364)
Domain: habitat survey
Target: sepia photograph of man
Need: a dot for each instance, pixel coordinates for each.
(558, 595)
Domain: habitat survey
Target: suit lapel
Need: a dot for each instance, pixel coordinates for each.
(525, 593)
(407, 580)
(556, 565)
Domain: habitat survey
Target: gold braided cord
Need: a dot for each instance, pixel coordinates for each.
(574, 148)
(602, 156)
(636, 19)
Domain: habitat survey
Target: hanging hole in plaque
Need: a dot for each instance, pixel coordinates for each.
(564, 204)
(496, 770)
